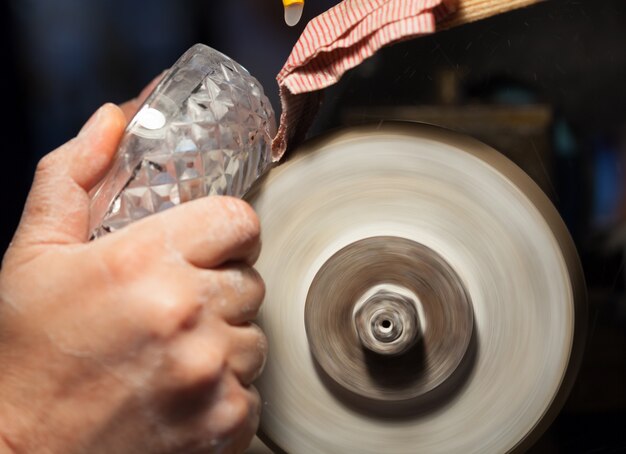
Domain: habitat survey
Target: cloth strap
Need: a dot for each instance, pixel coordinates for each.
(338, 40)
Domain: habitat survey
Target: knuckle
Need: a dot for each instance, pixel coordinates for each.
(258, 285)
(235, 416)
(262, 347)
(242, 216)
(123, 263)
(258, 335)
(56, 158)
(254, 292)
(245, 289)
(114, 263)
(255, 400)
(171, 314)
(211, 373)
(159, 293)
(199, 367)
(263, 343)
(47, 163)
(259, 365)
(255, 352)
(241, 409)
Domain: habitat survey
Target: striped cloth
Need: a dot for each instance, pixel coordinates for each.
(338, 40)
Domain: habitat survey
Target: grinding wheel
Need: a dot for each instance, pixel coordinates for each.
(423, 295)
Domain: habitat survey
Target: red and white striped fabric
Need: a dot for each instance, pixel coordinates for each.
(338, 40)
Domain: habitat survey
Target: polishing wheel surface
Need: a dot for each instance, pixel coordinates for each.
(500, 237)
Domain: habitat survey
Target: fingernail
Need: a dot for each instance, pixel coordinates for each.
(93, 121)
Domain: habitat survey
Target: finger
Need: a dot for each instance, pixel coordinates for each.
(57, 208)
(248, 352)
(242, 439)
(233, 420)
(234, 292)
(206, 232)
(131, 107)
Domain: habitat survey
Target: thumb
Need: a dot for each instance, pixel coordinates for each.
(57, 208)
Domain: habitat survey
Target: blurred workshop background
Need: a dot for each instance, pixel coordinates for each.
(544, 85)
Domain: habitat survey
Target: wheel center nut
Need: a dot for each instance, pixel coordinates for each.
(387, 323)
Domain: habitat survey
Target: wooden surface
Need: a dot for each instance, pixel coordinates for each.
(473, 10)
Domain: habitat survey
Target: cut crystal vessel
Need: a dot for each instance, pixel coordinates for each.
(205, 130)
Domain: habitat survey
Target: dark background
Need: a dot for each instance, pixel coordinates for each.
(562, 61)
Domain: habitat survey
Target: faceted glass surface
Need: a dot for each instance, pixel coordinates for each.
(205, 130)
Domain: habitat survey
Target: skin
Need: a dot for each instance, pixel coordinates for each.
(138, 342)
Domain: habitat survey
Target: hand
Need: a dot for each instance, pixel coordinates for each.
(138, 342)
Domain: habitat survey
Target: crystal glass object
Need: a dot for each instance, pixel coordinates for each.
(205, 130)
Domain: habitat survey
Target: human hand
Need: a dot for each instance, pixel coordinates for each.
(139, 341)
